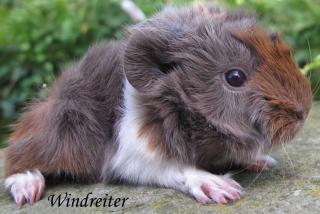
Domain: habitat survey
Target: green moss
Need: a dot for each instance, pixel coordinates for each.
(315, 192)
(158, 205)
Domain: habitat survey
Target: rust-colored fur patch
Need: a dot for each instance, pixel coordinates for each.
(33, 146)
(32, 123)
(278, 77)
(151, 131)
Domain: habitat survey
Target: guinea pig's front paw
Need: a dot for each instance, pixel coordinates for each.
(206, 187)
(25, 187)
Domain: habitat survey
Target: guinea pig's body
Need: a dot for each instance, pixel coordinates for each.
(187, 92)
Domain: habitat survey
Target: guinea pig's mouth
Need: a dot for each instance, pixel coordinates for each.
(285, 133)
(281, 135)
(280, 127)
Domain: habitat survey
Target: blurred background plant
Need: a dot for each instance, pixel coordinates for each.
(38, 38)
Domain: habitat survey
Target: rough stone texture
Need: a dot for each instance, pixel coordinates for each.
(293, 186)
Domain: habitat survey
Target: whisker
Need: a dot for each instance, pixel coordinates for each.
(316, 89)
(310, 57)
(239, 171)
(254, 180)
(288, 156)
(259, 174)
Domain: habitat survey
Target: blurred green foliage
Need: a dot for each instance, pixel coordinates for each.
(39, 37)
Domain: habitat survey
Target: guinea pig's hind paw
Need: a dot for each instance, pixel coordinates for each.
(25, 187)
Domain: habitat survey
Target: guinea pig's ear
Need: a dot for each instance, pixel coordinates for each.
(275, 37)
(276, 40)
(147, 57)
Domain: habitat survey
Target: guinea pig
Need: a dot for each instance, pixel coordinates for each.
(185, 93)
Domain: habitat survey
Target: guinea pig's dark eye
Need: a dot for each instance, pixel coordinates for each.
(235, 77)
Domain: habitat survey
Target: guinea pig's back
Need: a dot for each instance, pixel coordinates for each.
(96, 82)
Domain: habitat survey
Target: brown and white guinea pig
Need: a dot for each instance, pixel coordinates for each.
(186, 92)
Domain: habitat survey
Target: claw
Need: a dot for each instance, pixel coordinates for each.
(25, 187)
(206, 188)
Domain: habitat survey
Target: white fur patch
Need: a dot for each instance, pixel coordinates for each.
(271, 162)
(134, 162)
(25, 187)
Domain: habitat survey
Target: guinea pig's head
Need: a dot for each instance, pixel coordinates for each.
(279, 97)
(224, 66)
